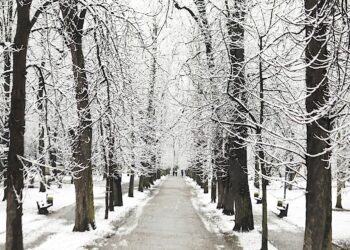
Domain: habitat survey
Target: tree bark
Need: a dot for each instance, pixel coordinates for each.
(112, 187)
(237, 150)
(228, 202)
(140, 188)
(14, 210)
(84, 210)
(132, 173)
(131, 184)
(221, 191)
(261, 154)
(318, 226)
(118, 192)
(7, 84)
(41, 148)
(243, 206)
(6, 135)
(205, 185)
(213, 189)
(106, 173)
(340, 186)
(229, 192)
(257, 173)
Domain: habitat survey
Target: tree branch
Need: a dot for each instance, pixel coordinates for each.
(177, 6)
(81, 20)
(40, 11)
(242, 106)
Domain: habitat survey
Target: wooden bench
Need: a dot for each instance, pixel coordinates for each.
(44, 205)
(283, 210)
(258, 198)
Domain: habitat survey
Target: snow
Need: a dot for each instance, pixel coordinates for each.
(296, 211)
(55, 230)
(215, 221)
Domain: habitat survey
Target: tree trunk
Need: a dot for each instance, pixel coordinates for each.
(318, 226)
(213, 189)
(261, 154)
(221, 192)
(264, 225)
(41, 154)
(228, 204)
(7, 83)
(84, 210)
(112, 190)
(131, 184)
(53, 161)
(340, 186)
(14, 210)
(243, 206)
(257, 173)
(205, 185)
(118, 192)
(140, 188)
(106, 174)
(237, 150)
(6, 135)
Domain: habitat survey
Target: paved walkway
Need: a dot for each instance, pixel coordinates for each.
(169, 221)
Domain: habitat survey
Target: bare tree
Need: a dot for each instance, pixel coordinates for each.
(6, 24)
(74, 19)
(318, 228)
(14, 236)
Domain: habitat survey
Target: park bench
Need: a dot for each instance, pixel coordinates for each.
(283, 208)
(258, 198)
(44, 205)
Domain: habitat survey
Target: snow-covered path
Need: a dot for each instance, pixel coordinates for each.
(61, 217)
(169, 221)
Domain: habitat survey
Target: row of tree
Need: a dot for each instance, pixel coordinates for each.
(269, 80)
(265, 79)
(81, 95)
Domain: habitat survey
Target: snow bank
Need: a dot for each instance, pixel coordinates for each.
(54, 231)
(215, 221)
(297, 205)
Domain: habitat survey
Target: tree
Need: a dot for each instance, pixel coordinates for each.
(14, 210)
(6, 31)
(237, 150)
(74, 19)
(318, 227)
(40, 107)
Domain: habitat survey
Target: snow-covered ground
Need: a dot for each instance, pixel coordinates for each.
(296, 211)
(216, 221)
(54, 231)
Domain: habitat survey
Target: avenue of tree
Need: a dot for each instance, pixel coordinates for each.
(261, 90)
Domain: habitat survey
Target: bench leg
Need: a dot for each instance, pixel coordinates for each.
(283, 213)
(43, 211)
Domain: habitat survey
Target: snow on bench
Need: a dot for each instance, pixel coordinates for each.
(44, 205)
(283, 208)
